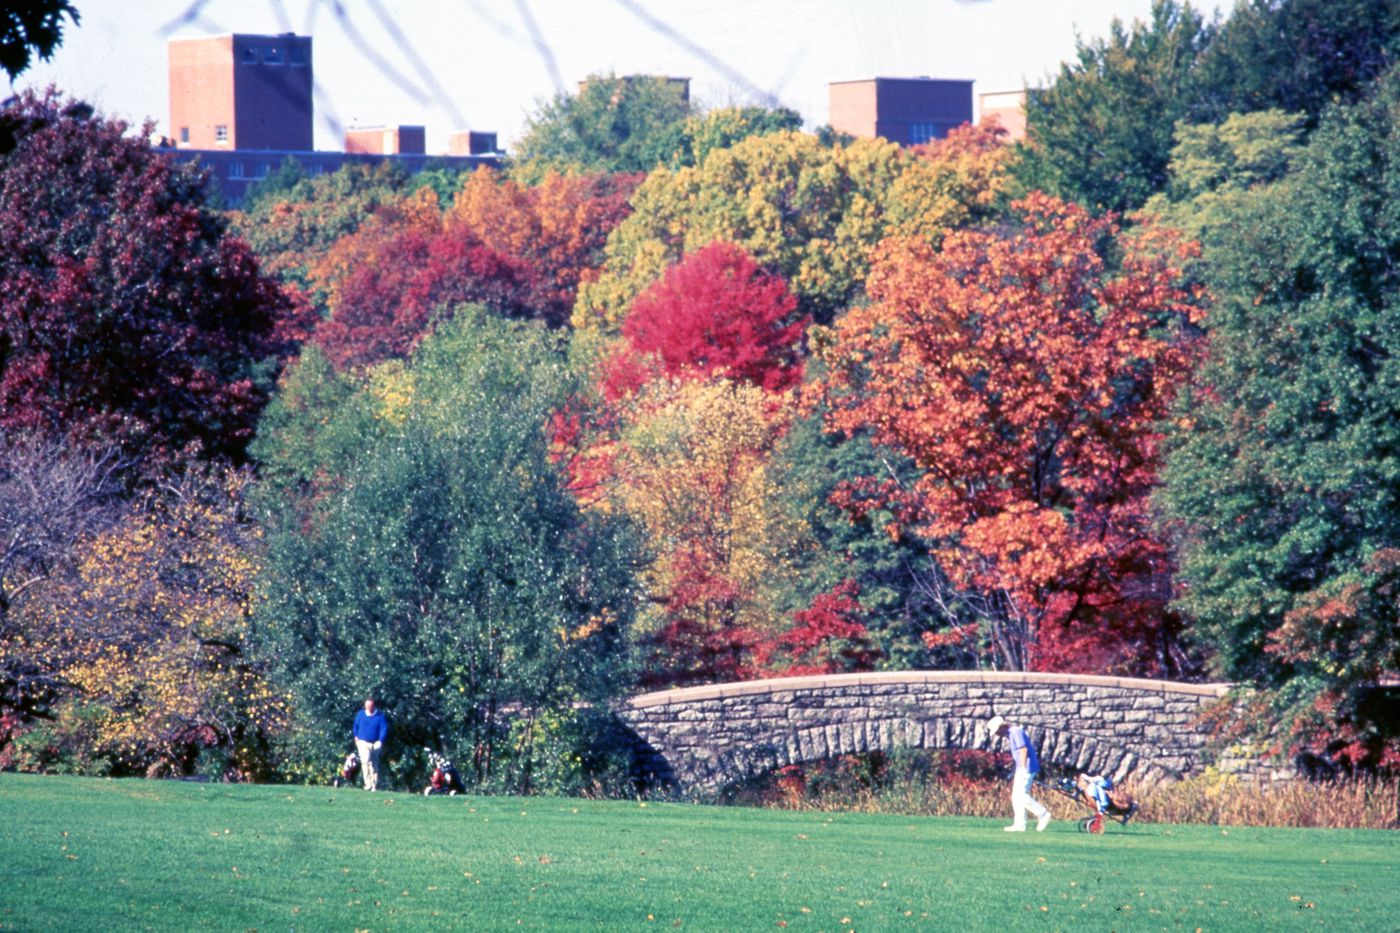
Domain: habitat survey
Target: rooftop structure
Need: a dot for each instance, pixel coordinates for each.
(387, 140)
(241, 92)
(908, 111)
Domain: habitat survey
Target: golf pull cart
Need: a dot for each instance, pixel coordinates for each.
(1120, 805)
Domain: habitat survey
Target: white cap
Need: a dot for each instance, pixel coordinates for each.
(994, 724)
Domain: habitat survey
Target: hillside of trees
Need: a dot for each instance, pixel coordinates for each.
(681, 396)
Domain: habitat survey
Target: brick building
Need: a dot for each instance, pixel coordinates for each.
(387, 140)
(907, 111)
(241, 92)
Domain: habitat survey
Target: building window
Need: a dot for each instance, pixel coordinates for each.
(221, 133)
(272, 55)
(235, 170)
(184, 134)
(923, 132)
(250, 55)
(296, 54)
(260, 169)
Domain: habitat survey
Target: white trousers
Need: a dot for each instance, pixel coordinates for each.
(369, 763)
(1021, 799)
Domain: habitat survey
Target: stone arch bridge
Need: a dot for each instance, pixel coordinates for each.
(699, 739)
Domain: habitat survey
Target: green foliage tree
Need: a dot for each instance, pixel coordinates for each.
(1297, 55)
(1216, 168)
(1101, 134)
(613, 124)
(1283, 477)
(910, 608)
(702, 134)
(441, 564)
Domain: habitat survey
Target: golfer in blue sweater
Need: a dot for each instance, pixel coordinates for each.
(1027, 767)
(371, 727)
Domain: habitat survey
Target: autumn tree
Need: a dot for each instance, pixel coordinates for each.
(291, 230)
(556, 228)
(807, 212)
(961, 180)
(144, 638)
(128, 316)
(403, 271)
(1024, 376)
(690, 466)
(828, 637)
(52, 497)
(1282, 458)
(715, 314)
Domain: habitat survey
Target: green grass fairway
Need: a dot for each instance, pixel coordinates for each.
(79, 854)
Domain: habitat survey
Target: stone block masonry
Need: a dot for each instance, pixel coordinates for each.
(702, 738)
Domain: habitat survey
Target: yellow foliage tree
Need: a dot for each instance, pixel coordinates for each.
(810, 212)
(691, 466)
(148, 632)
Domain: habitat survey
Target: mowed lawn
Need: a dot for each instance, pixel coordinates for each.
(83, 854)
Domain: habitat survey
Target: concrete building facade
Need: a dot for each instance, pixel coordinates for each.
(908, 111)
(1009, 109)
(241, 92)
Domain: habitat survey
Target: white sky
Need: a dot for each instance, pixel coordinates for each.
(485, 64)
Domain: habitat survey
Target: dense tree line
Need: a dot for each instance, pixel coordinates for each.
(682, 396)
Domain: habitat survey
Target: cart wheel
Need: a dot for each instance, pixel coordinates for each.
(1084, 824)
(1096, 824)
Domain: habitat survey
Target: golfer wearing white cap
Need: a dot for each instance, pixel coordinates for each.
(1027, 767)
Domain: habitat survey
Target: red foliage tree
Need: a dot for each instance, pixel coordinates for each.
(828, 637)
(391, 279)
(1026, 379)
(127, 316)
(717, 314)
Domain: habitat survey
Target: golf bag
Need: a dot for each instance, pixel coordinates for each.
(348, 769)
(1097, 791)
(444, 779)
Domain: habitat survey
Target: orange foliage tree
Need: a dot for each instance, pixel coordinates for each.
(1025, 377)
(400, 272)
(557, 228)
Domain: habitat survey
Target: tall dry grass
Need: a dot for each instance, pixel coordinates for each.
(1354, 803)
(943, 785)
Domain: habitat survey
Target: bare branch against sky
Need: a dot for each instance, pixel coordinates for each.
(541, 46)
(768, 98)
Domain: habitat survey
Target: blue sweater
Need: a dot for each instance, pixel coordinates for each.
(371, 728)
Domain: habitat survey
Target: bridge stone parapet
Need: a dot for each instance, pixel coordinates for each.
(702, 738)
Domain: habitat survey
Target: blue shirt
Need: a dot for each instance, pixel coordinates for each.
(1019, 739)
(371, 728)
